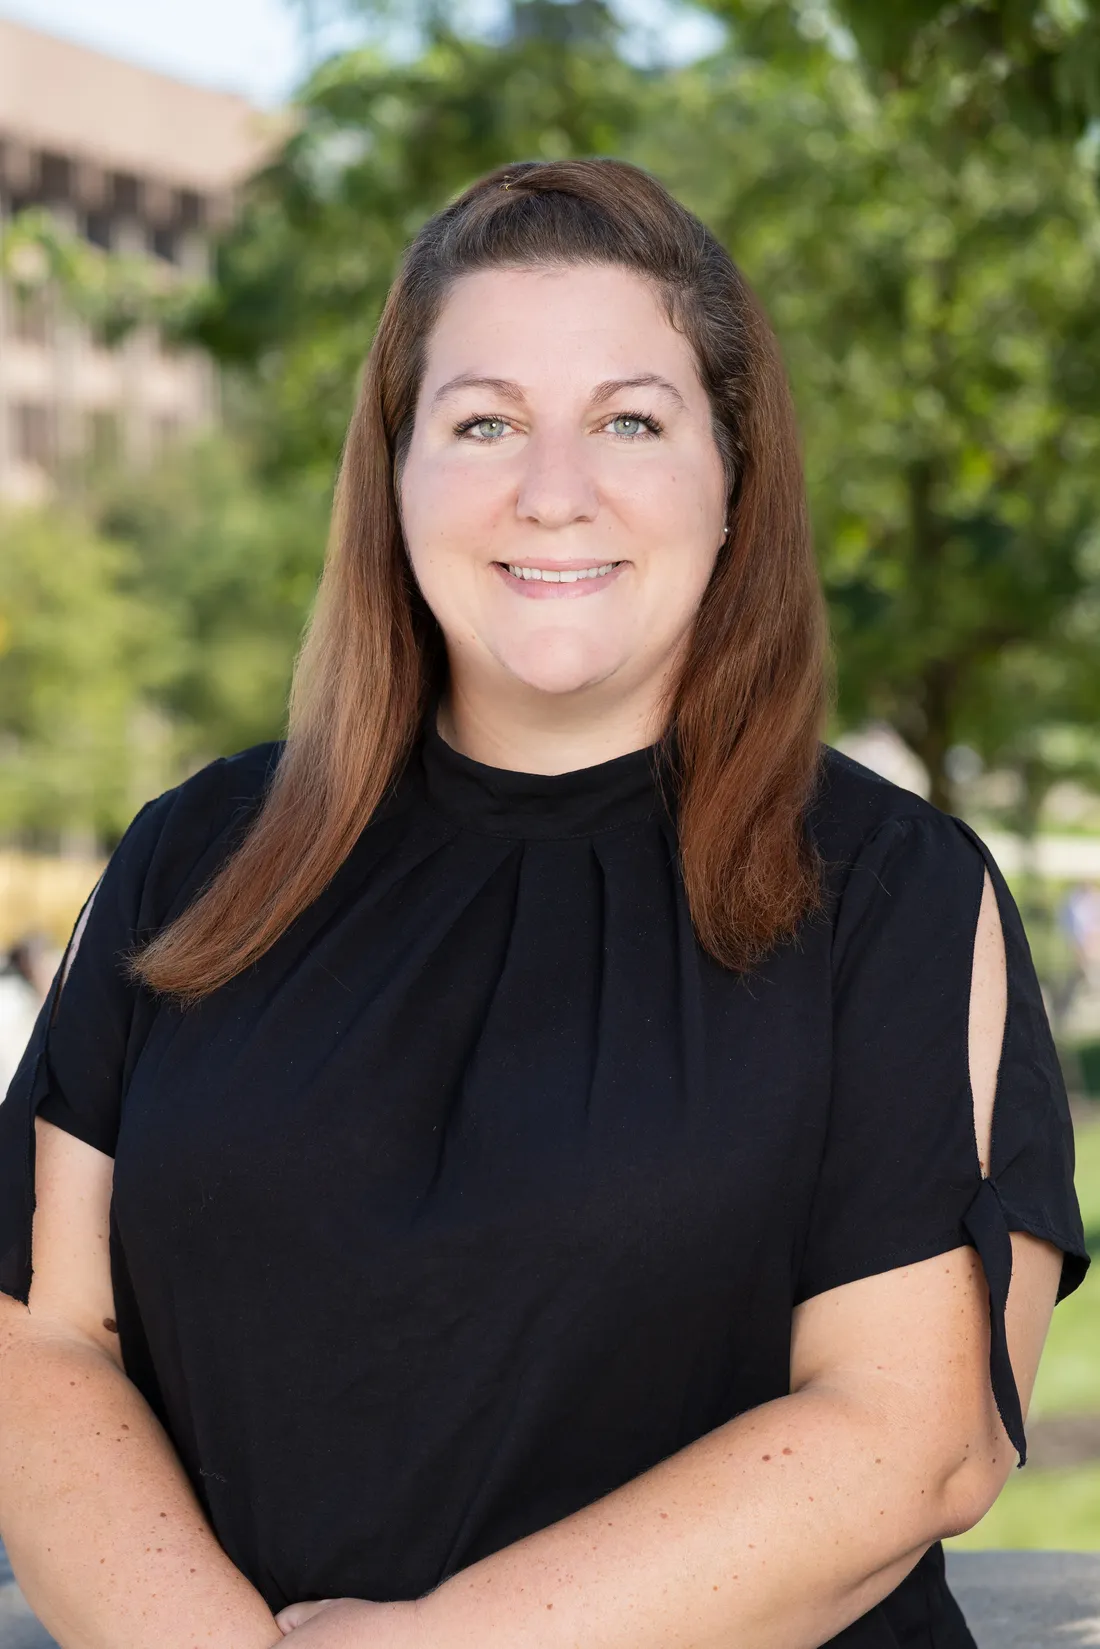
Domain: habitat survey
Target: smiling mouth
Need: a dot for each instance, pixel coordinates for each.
(559, 575)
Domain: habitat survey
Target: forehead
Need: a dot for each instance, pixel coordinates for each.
(576, 321)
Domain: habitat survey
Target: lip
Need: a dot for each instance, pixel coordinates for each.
(536, 590)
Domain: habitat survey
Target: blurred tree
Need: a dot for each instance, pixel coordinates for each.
(146, 634)
(1034, 63)
(230, 568)
(77, 653)
(938, 303)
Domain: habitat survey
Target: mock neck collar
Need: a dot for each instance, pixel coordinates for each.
(502, 801)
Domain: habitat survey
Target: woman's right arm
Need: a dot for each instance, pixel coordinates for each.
(105, 1535)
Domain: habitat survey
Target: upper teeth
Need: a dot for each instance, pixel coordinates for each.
(559, 577)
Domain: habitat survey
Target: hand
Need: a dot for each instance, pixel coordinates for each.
(350, 1623)
(296, 1614)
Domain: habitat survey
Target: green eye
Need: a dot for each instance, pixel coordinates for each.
(629, 425)
(488, 428)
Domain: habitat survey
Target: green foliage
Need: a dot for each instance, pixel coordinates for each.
(1067, 1375)
(147, 634)
(1054, 1511)
(231, 569)
(1032, 64)
(77, 649)
(937, 301)
(113, 292)
(1067, 1381)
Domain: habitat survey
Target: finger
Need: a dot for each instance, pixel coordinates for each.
(296, 1614)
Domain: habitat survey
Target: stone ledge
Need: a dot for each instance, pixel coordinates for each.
(1013, 1600)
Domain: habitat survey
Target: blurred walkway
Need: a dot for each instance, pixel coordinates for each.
(1029, 1600)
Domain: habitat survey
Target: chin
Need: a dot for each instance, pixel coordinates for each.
(557, 674)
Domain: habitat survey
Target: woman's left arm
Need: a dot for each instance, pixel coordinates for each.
(783, 1526)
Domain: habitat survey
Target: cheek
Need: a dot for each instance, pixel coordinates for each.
(449, 504)
(677, 515)
(684, 498)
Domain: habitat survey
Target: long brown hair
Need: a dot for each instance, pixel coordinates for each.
(747, 708)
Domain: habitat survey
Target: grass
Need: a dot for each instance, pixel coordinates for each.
(1060, 1510)
(1069, 1374)
(1088, 1172)
(1054, 1511)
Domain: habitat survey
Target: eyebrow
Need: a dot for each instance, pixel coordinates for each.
(510, 391)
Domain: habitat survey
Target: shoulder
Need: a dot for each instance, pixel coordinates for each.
(179, 838)
(851, 803)
(214, 795)
(873, 835)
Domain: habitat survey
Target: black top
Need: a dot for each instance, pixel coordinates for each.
(486, 1188)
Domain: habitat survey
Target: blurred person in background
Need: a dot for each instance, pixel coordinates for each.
(1080, 922)
(515, 1163)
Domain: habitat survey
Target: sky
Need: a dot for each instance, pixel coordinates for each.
(253, 46)
(249, 46)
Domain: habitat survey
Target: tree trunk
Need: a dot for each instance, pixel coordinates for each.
(934, 739)
(933, 722)
(1035, 781)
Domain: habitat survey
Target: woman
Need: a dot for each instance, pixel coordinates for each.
(531, 1182)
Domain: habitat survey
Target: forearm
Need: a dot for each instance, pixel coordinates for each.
(775, 1531)
(106, 1537)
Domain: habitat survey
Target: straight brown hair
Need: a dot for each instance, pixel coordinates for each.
(743, 720)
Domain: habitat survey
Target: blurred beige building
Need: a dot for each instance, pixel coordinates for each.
(135, 162)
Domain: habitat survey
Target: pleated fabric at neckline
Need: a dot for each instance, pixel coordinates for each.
(500, 801)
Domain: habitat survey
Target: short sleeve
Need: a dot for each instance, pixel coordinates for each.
(900, 1180)
(72, 1070)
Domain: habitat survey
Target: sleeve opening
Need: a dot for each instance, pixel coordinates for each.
(994, 1213)
(29, 1089)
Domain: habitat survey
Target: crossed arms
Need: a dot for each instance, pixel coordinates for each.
(774, 1531)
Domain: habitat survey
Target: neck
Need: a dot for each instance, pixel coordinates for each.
(543, 732)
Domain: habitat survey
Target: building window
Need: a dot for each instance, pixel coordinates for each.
(35, 434)
(97, 229)
(55, 177)
(125, 194)
(189, 209)
(162, 244)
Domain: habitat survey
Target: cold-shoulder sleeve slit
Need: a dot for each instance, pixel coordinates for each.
(28, 1089)
(1029, 1186)
(900, 1178)
(72, 1069)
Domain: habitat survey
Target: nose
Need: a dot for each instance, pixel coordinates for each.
(556, 487)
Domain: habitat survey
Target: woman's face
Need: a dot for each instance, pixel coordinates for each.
(561, 430)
